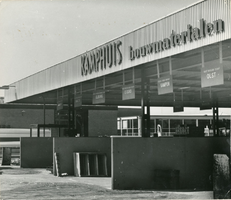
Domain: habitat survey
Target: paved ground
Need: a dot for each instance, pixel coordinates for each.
(19, 183)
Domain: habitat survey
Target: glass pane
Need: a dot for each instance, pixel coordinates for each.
(130, 123)
(125, 124)
(118, 124)
(135, 131)
(135, 123)
(124, 132)
(129, 131)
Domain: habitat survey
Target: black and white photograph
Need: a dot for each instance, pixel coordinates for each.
(115, 99)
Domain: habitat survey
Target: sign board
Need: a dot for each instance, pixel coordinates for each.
(165, 85)
(78, 101)
(128, 92)
(205, 105)
(60, 104)
(178, 106)
(212, 75)
(98, 97)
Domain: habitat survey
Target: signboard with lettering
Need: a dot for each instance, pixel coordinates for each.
(128, 92)
(60, 104)
(165, 85)
(212, 75)
(177, 39)
(78, 101)
(98, 97)
(205, 105)
(178, 106)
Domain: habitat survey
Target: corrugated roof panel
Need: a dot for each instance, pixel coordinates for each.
(69, 72)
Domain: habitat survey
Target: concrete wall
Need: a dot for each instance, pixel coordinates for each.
(102, 122)
(135, 159)
(65, 147)
(36, 152)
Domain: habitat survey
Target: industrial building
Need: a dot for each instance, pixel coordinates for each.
(181, 60)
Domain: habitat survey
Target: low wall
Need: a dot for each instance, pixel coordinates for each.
(65, 147)
(36, 152)
(134, 160)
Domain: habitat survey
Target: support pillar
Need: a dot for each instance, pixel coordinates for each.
(44, 115)
(38, 131)
(215, 119)
(145, 104)
(70, 113)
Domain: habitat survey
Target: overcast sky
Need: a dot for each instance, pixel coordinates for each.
(37, 34)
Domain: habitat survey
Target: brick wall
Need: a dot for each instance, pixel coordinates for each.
(22, 118)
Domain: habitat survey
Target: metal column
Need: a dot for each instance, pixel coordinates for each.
(44, 115)
(215, 118)
(70, 112)
(145, 104)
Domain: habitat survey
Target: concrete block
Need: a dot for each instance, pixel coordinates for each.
(36, 152)
(221, 177)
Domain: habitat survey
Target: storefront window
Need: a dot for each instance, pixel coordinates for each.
(173, 124)
(124, 127)
(130, 127)
(135, 125)
(170, 126)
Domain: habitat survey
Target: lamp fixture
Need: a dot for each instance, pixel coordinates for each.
(6, 87)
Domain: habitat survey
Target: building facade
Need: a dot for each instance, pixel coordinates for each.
(181, 60)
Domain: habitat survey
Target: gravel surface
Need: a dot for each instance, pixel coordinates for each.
(21, 183)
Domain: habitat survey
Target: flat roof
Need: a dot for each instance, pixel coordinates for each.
(183, 62)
